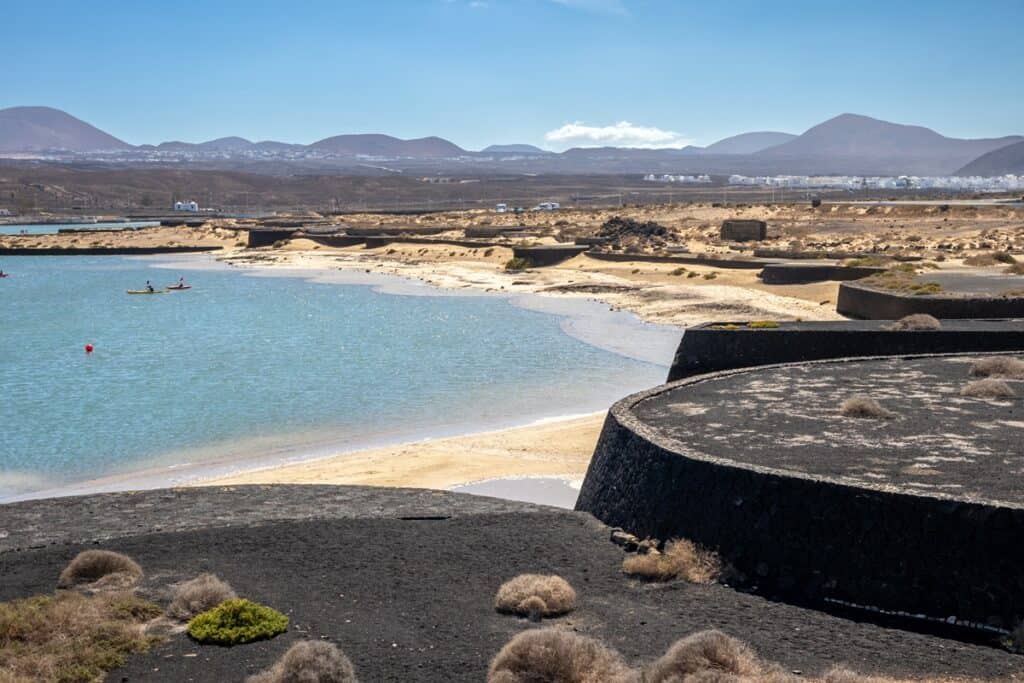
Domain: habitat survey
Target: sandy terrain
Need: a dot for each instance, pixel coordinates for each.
(656, 292)
(141, 237)
(558, 448)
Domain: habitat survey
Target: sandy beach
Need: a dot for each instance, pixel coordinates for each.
(555, 448)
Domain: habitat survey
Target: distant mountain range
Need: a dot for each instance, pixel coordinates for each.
(848, 144)
(1009, 159)
(748, 143)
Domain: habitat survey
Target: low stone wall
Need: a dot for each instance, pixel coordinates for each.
(714, 347)
(694, 260)
(267, 237)
(550, 255)
(739, 230)
(807, 538)
(858, 301)
(798, 273)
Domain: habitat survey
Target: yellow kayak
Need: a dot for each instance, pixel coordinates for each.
(146, 291)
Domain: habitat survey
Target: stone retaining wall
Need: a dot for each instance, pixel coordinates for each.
(714, 347)
(858, 301)
(811, 539)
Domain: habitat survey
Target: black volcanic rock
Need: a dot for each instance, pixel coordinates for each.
(33, 129)
(1009, 159)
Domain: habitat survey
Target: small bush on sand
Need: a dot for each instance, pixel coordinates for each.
(553, 656)
(678, 271)
(102, 569)
(204, 592)
(518, 263)
(707, 653)
(309, 662)
(535, 596)
(988, 388)
(710, 276)
(998, 366)
(865, 407)
(989, 259)
(71, 637)
(915, 322)
(682, 559)
(237, 621)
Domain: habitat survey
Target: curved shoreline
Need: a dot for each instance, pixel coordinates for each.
(272, 458)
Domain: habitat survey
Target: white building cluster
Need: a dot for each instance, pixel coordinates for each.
(685, 179)
(186, 206)
(1003, 183)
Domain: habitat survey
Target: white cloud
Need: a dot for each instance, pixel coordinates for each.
(621, 134)
(598, 6)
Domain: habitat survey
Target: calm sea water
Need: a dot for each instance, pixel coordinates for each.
(241, 366)
(50, 228)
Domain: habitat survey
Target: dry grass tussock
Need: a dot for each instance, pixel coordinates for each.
(682, 559)
(204, 592)
(535, 596)
(703, 653)
(915, 322)
(70, 637)
(309, 662)
(554, 656)
(100, 569)
(865, 407)
(988, 388)
(998, 366)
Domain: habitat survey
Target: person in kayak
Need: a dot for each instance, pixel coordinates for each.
(149, 287)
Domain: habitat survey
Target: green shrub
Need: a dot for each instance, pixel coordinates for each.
(237, 621)
(518, 263)
(678, 271)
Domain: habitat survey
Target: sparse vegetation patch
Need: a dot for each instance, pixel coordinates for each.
(865, 407)
(708, 653)
(70, 637)
(200, 594)
(915, 322)
(535, 596)
(988, 388)
(237, 621)
(518, 263)
(553, 656)
(998, 366)
(100, 569)
(309, 662)
(682, 559)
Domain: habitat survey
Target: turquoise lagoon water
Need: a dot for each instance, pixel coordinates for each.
(244, 367)
(50, 228)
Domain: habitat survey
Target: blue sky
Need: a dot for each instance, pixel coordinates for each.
(555, 73)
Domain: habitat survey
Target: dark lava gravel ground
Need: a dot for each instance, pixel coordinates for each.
(411, 599)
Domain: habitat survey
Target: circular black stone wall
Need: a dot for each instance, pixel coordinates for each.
(804, 535)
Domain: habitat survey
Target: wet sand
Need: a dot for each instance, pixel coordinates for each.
(553, 448)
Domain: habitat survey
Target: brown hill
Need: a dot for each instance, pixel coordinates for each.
(854, 144)
(1009, 159)
(31, 129)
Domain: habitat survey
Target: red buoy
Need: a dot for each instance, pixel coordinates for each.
(88, 348)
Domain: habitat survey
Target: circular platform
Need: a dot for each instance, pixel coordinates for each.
(922, 513)
(788, 418)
